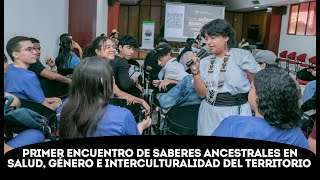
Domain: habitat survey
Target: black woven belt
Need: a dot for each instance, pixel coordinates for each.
(227, 99)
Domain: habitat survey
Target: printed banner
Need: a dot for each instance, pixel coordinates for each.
(147, 34)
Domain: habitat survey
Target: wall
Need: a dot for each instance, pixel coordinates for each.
(300, 44)
(102, 17)
(255, 18)
(41, 19)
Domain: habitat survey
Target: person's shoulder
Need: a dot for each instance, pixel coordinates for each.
(243, 119)
(36, 65)
(120, 60)
(118, 110)
(20, 71)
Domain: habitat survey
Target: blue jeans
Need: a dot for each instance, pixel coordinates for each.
(309, 91)
(180, 95)
(26, 137)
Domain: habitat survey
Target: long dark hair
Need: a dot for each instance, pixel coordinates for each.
(187, 48)
(278, 98)
(64, 52)
(89, 95)
(97, 43)
(220, 27)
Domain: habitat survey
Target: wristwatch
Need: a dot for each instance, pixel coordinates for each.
(195, 73)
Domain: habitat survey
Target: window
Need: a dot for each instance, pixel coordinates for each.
(302, 19)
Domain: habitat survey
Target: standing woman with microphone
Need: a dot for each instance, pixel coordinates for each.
(223, 78)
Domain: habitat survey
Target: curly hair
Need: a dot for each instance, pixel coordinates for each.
(220, 27)
(278, 99)
(128, 40)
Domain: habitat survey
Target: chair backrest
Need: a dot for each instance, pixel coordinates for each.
(292, 56)
(313, 60)
(49, 114)
(183, 120)
(135, 109)
(302, 57)
(283, 54)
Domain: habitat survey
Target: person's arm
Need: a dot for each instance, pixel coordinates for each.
(130, 99)
(77, 46)
(199, 85)
(54, 76)
(144, 124)
(312, 139)
(52, 103)
(148, 68)
(15, 102)
(250, 75)
(6, 148)
(125, 81)
(309, 104)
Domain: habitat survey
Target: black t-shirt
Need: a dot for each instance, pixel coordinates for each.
(37, 68)
(150, 61)
(120, 68)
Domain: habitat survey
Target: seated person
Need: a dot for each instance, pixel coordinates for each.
(309, 90)
(191, 48)
(114, 36)
(21, 82)
(67, 60)
(5, 65)
(180, 95)
(248, 48)
(307, 74)
(150, 64)
(87, 112)
(266, 59)
(52, 84)
(104, 47)
(172, 71)
(312, 139)
(243, 42)
(120, 66)
(26, 137)
(75, 46)
(277, 114)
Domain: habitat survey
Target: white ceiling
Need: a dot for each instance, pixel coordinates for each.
(247, 5)
(238, 5)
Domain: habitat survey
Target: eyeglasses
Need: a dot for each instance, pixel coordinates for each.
(30, 49)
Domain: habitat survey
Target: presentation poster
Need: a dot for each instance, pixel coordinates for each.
(174, 20)
(185, 20)
(196, 18)
(148, 34)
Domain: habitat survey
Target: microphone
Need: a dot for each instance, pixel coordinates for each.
(204, 52)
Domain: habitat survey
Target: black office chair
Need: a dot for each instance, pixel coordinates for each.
(49, 114)
(181, 120)
(136, 109)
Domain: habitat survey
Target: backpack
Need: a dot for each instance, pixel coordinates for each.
(18, 120)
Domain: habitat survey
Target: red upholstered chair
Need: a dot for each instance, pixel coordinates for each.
(283, 57)
(302, 60)
(292, 60)
(313, 61)
(302, 82)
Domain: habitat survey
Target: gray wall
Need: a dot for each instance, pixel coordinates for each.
(41, 19)
(102, 17)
